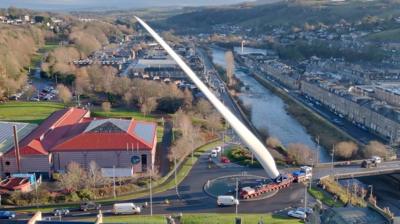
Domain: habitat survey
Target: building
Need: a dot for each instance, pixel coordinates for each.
(71, 135)
(7, 136)
(362, 110)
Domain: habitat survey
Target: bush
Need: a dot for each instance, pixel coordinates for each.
(86, 194)
(72, 197)
(375, 148)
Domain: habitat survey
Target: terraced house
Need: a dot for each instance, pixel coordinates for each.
(72, 135)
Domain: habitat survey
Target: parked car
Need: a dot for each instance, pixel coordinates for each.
(125, 208)
(60, 212)
(35, 99)
(218, 149)
(307, 210)
(227, 200)
(7, 214)
(297, 214)
(225, 159)
(90, 205)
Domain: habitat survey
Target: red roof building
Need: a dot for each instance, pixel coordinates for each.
(71, 135)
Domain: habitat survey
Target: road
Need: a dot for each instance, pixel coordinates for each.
(361, 135)
(348, 171)
(161, 159)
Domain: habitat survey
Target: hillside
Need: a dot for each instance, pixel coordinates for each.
(260, 17)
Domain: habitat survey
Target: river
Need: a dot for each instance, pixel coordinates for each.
(268, 110)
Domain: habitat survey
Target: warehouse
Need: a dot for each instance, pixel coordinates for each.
(71, 135)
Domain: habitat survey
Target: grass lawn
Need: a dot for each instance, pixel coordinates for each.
(31, 112)
(122, 113)
(209, 218)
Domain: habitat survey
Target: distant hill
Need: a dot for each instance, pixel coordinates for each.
(260, 17)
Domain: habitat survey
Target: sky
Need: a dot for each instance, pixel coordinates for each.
(106, 4)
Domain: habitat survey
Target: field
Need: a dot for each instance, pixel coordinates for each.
(122, 113)
(31, 112)
(209, 218)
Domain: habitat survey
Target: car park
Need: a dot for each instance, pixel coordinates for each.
(60, 212)
(297, 214)
(7, 214)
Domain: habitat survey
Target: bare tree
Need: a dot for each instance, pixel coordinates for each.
(30, 91)
(203, 107)
(273, 142)
(64, 93)
(300, 153)
(94, 176)
(213, 121)
(149, 105)
(346, 150)
(230, 67)
(188, 99)
(106, 107)
(74, 178)
(375, 148)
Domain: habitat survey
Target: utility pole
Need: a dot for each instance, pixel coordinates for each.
(333, 155)
(237, 198)
(114, 192)
(317, 160)
(151, 192)
(175, 177)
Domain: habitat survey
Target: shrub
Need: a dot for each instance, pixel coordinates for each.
(346, 150)
(86, 194)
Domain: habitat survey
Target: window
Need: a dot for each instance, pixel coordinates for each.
(7, 163)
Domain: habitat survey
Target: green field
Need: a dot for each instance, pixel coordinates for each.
(122, 113)
(324, 197)
(209, 218)
(31, 112)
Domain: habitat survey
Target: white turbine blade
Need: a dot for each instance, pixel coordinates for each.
(259, 150)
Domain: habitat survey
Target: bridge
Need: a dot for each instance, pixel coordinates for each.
(351, 169)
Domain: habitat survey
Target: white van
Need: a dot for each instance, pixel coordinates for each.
(227, 200)
(125, 208)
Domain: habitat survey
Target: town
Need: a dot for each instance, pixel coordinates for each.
(104, 120)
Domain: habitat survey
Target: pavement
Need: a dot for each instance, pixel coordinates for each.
(161, 159)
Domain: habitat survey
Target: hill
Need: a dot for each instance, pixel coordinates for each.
(261, 17)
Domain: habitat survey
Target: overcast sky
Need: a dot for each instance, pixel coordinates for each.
(110, 4)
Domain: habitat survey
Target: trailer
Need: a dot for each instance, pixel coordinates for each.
(298, 176)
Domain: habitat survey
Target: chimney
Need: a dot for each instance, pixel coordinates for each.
(16, 147)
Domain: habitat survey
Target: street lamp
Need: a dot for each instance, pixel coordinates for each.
(372, 188)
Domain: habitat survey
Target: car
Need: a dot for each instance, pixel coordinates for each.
(7, 214)
(35, 99)
(90, 205)
(376, 159)
(60, 212)
(225, 159)
(307, 210)
(218, 149)
(213, 153)
(297, 214)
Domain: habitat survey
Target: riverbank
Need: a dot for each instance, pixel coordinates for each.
(315, 125)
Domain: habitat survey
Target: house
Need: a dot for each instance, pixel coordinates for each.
(71, 135)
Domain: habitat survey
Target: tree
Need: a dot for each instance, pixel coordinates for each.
(213, 121)
(30, 92)
(230, 67)
(187, 99)
(273, 142)
(300, 153)
(64, 93)
(106, 107)
(74, 179)
(149, 105)
(94, 176)
(203, 107)
(346, 150)
(375, 148)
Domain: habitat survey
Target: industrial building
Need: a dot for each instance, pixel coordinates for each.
(71, 135)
